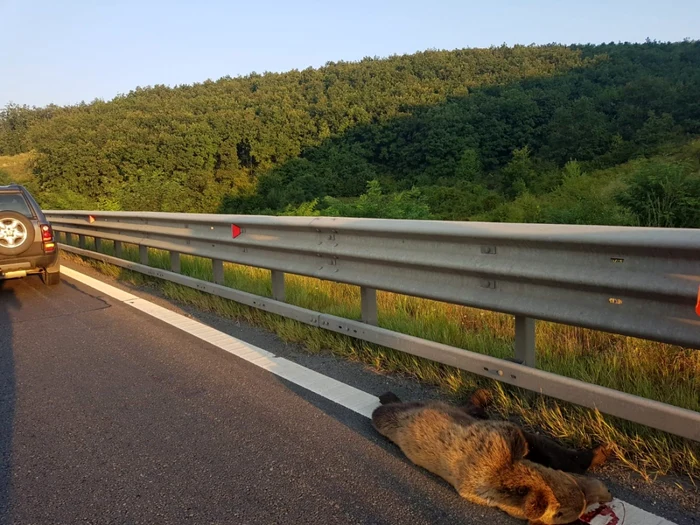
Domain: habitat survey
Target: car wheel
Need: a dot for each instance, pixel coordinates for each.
(51, 278)
(16, 233)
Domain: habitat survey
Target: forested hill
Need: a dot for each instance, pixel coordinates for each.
(497, 134)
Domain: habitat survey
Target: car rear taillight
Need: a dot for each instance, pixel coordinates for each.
(47, 238)
(46, 233)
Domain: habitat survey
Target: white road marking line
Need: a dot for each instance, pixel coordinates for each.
(98, 285)
(617, 512)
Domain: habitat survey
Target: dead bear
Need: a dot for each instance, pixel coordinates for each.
(541, 449)
(484, 461)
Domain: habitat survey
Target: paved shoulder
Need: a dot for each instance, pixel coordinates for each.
(110, 416)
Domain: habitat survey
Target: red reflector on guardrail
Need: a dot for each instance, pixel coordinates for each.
(91, 219)
(235, 231)
(697, 305)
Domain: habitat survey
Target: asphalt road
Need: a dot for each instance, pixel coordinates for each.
(109, 416)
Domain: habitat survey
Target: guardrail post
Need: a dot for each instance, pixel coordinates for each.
(69, 238)
(98, 244)
(218, 267)
(81, 241)
(143, 254)
(525, 340)
(278, 293)
(118, 249)
(368, 298)
(175, 262)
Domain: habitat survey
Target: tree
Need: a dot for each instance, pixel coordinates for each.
(664, 194)
(469, 166)
(519, 173)
(375, 204)
(656, 130)
(578, 131)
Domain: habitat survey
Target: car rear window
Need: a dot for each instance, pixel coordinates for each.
(14, 202)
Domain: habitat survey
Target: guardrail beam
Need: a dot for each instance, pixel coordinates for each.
(640, 282)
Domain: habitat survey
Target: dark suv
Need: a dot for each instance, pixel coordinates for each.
(27, 244)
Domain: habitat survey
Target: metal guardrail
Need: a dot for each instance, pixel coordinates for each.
(641, 282)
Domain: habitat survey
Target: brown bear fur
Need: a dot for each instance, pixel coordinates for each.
(484, 461)
(542, 449)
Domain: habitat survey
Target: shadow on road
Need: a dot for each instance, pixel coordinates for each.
(8, 302)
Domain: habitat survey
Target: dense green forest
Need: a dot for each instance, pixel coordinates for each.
(567, 134)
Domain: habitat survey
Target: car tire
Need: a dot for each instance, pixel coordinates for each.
(52, 278)
(20, 224)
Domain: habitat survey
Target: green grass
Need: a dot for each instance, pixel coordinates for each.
(653, 370)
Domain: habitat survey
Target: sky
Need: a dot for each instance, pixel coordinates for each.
(65, 52)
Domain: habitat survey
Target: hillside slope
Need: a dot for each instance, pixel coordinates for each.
(476, 130)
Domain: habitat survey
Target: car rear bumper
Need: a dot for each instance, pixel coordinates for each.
(29, 264)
